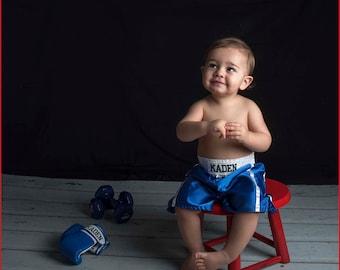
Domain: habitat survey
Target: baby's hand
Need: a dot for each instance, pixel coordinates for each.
(236, 131)
(218, 126)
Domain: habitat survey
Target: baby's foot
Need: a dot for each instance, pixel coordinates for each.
(189, 263)
(211, 260)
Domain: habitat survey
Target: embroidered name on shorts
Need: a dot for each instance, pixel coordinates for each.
(222, 168)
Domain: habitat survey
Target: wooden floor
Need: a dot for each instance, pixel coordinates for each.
(36, 211)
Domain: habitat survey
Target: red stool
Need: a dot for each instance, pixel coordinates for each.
(281, 196)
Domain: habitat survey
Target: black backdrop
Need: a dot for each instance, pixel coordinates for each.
(94, 89)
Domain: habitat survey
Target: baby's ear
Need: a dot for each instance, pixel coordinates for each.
(247, 80)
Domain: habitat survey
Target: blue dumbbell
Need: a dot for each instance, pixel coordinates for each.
(104, 200)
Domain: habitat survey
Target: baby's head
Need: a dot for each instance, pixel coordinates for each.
(231, 42)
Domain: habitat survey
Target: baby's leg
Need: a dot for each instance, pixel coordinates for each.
(189, 225)
(242, 229)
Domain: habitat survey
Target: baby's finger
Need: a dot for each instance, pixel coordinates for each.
(223, 134)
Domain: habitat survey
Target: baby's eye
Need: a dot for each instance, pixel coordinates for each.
(211, 65)
(231, 69)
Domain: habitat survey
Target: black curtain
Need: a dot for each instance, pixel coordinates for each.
(94, 89)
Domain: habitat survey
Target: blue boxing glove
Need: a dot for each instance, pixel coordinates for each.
(78, 239)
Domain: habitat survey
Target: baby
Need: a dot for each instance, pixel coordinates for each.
(229, 128)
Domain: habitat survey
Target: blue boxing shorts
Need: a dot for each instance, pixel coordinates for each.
(242, 190)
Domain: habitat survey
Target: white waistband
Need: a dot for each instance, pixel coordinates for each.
(223, 167)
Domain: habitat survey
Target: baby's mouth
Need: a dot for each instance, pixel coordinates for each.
(218, 82)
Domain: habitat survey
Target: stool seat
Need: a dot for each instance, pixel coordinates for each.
(280, 196)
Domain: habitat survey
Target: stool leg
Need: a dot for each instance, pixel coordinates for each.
(279, 236)
(235, 265)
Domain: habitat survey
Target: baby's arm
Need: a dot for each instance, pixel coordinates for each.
(191, 127)
(256, 136)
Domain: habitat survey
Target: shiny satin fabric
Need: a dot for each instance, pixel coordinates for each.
(243, 190)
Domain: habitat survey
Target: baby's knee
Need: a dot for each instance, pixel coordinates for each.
(184, 211)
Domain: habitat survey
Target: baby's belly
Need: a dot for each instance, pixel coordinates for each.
(222, 150)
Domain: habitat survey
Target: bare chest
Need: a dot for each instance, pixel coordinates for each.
(229, 114)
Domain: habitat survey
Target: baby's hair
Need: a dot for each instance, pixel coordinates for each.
(234, 43)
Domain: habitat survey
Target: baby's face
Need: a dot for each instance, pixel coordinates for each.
(226, 71)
